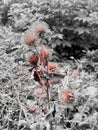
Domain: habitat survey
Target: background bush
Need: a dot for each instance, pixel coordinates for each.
(73, 24)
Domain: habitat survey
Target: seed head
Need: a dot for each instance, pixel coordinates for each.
(44, 53)
(66, 96)
(40, 27)
(33, 58)
(30, 38)
(52, 66)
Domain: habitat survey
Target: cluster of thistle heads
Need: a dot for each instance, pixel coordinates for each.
(40, 58)
(44, 70)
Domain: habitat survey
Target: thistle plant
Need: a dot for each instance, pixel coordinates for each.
(46, 72)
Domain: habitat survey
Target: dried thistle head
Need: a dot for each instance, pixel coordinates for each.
(52, 66)
(33, 58)
(44, 52)
(30, 37)
(40, 27)
(67, 96)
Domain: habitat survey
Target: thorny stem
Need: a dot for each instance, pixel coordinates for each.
(41, 61)
(36, 49)
(40, 80)
(48, 88)
(48, 97)
(42, 64)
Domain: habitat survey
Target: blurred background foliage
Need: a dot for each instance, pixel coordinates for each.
(73, 24)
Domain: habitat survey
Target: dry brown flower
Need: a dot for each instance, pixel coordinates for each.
(30, 38)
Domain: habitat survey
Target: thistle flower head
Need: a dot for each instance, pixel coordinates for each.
(44, 52)
(33, 58)
(66, 96)
(40, 27)
(52, 66)
(30, 38)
